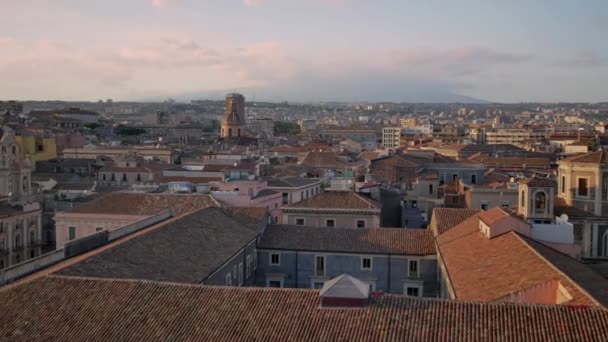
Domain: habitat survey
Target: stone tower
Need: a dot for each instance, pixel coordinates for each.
(233, 121)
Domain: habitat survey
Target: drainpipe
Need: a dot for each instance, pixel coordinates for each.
(296, 277)
(389, 275)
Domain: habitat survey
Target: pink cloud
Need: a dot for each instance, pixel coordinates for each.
(163, 3)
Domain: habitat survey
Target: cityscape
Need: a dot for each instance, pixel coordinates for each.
(261, 192)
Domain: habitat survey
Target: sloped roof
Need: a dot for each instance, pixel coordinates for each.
(121, 203)
(444, 219)
(332, 199)
(541, 182)
(185, 250)
(482, 269)
(345, 286)
(92, 309)
(597, 157)
(349, 240)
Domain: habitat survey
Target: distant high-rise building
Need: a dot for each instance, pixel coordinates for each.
(233, 121)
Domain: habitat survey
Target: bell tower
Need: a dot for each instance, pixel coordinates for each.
(233, 120)
(537, 199)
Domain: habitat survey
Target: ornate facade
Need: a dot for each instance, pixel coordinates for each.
(20, 213)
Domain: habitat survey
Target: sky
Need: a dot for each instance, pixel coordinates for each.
(305, 50)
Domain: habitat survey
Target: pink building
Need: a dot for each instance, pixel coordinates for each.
(117, 210)
(248, 193)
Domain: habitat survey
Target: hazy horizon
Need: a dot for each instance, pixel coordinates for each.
(305, 50)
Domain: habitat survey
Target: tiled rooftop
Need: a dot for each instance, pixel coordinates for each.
(482, 269)
(58, 308)
(349, 240)
(445, 218)
(597, 157)
(331, 199)
(185, 250)
(121, 203)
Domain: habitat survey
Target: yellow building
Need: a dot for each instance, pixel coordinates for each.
(37, 148)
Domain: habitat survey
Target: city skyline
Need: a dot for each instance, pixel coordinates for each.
(304, 50)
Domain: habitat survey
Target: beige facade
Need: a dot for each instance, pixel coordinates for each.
(486, 197)
(391, 137)
(332, 218)
(163, 154)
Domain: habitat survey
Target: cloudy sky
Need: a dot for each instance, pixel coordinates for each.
(305, 50)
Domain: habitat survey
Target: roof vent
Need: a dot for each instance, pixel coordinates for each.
(344, 291)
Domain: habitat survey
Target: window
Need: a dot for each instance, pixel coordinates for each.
(414, 204)
(14, 150)
(2, 244)
(317, 285)
(583, 187)
(276, 205)
(240, 273)
(103, 177)
(412, 291)
(235, 272)
(484, 206)
(228, 279)
(430, 189)
(71, 233)
(285, 198)
(274, 283)
(522, 200)
(255, 260)
(302, 195)
(540, 201)
(360, 223)
(366, 264)
(413, 269)
(306, 193)
(299, 222)
(248, 266)
(138, 177)
(32, 237)
(320, 266)
(275, 259)
(113, 177)
(124, 177)
(1, 227)
(330, 223)
(473, 179)
(563, 185)
(454, 177)
(17, 241)
(98, 229)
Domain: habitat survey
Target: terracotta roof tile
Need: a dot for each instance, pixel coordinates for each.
(482, 269)
(445, 218)
(331, 199)
(121, 203)
(349, 240)
(597, 157)
(535, 181)
(57, 308)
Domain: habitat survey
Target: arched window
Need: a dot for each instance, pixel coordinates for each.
(14, 149)
(540, 201)
(522, 201)
(229, 132)
(24, 184)
(239, 131)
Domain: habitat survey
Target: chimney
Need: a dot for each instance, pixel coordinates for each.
(344, 291)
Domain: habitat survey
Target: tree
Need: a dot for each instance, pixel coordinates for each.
(286, 128)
